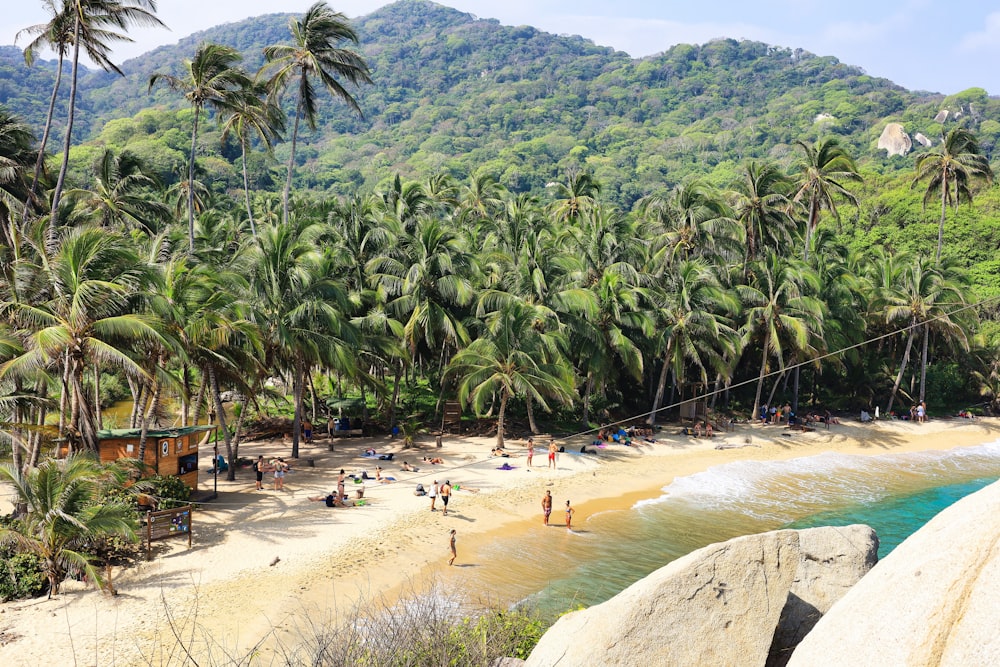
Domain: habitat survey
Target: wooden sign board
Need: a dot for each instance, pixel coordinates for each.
(164, 524)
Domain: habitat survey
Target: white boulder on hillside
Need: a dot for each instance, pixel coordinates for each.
(932, 601)
(895, 140)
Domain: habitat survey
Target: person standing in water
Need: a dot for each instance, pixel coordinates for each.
(546, 507)
(569, 515)
(451, 545)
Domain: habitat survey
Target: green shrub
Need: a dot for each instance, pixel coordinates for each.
(21, 576)
(169, 490)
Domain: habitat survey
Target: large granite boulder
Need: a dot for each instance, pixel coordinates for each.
(932, 601)
(895, 140)
(831, 560)
(716, 606)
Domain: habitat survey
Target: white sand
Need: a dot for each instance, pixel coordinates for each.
(261, 560)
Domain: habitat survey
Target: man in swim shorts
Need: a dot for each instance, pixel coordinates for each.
(258, 471)
(445, 492)
(546, 507)
(552, 453)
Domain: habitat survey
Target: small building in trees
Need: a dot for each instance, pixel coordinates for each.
(171, 451)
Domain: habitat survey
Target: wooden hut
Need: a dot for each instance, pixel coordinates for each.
(171, 451)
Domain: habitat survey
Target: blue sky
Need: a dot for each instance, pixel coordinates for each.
(920, 44)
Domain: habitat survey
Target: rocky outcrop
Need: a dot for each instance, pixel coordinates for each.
(932, 601)
(895, 140)
(941, 116)
(922, 140)
(716, 606)
(831, 561)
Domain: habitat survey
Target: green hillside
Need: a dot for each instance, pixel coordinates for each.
(453, 94)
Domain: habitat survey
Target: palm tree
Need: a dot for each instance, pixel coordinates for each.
(778, 311)
(315, 53)
(212, 79)
(921, 294)
(301, 306)
(690, 309)
(121, 195)
(64, 508)
(949, 172)
(252, 114)
(83, 310)
(762, 207)
(823, 172)
(574, 197)
(692, 221)
(519, 352)
(94, 22)
(15, 155)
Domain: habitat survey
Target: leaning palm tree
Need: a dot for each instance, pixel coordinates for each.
(949, 172)
(94, 24)
(315, 53)
(213, 79)
(63, 509)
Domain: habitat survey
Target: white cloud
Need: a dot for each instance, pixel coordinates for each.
(985, 40)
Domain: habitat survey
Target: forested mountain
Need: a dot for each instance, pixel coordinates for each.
(453, 93)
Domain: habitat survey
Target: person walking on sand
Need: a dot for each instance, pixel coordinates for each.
(546, 507)
(258, 471)
(531, 450)
(552, 454)
(433, 494)
(451, 546)
(569, 515)
(445, 492)
(307, 430)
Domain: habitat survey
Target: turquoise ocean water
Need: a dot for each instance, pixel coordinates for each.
(895, 493)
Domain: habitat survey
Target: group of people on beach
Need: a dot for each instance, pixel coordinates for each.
(278, 467)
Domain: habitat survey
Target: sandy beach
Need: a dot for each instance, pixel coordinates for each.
(261, 561)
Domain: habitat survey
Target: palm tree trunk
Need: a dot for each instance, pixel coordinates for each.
(246, 188)
(661, 388)
(774, 389)
(190, 193)
(68, 141)
(291, 163)
(40, 159)
(217, 398)
(923, 361)
(97, 395)
(902, 370)
(64, 395)
(297, 391)
(200, 399)
(529, 407)
(395, 395)
(501, 416)
(944, 208)
(760, 378)
(148, 414)
(84, 422)
(586, 399)
(185, 393)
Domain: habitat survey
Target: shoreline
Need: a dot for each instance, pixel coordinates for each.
(262, 560)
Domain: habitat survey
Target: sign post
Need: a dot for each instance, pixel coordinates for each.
(167, 523)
